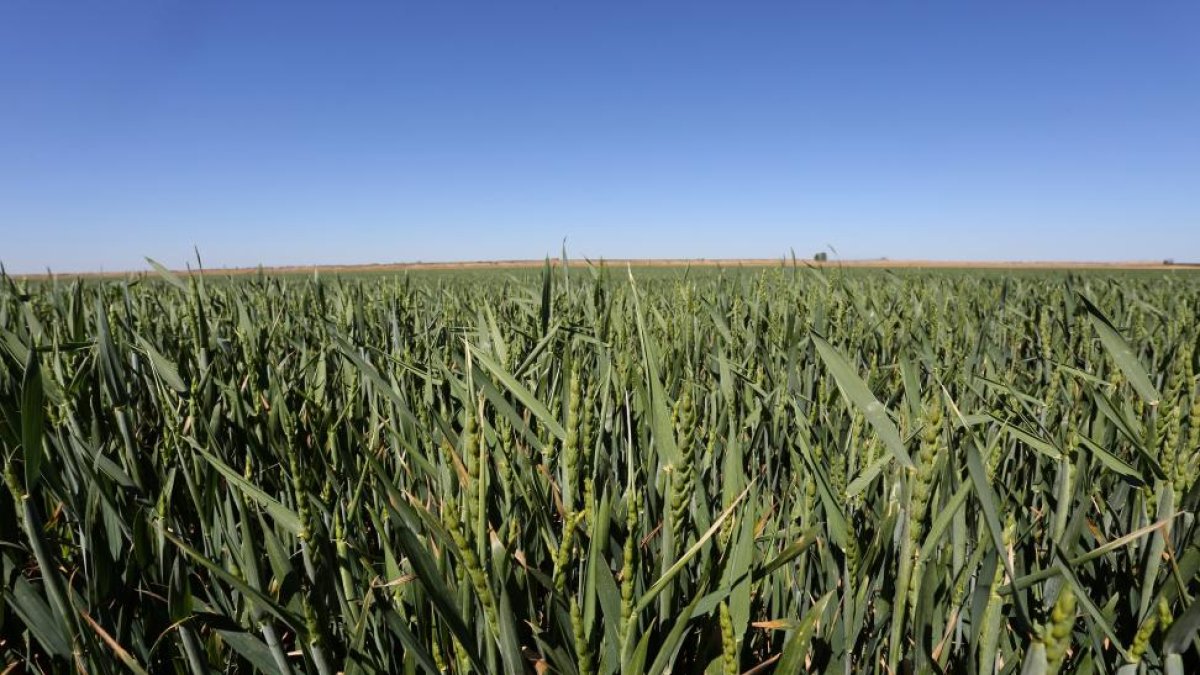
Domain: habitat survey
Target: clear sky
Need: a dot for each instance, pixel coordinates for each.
(295, 133)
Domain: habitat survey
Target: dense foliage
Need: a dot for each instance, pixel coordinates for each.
(587, 471)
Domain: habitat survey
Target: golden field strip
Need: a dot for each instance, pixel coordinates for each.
(726, 263)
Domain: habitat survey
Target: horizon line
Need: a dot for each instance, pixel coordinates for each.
(556, 261)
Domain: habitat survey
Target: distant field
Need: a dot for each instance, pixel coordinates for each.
(650, 263)
(736, 262)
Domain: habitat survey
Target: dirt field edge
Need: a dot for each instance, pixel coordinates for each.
(880, 263)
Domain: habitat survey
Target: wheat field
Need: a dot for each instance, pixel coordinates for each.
(589, 469)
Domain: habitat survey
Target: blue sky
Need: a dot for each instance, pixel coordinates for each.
(297, 133)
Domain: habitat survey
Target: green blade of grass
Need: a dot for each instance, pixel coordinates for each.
(856, 391)
(32, 421)
(1121, 353)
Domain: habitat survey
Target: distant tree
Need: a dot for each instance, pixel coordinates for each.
(821, 257)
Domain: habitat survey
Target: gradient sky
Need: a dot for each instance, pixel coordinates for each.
(296, 133)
